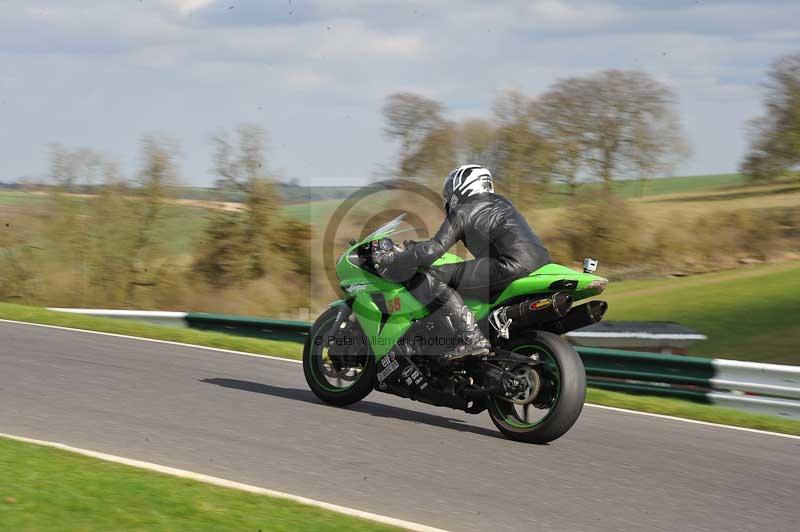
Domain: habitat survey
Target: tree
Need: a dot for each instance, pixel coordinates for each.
(159, 173)
(222, 258)
(434, 157)
(775, 137)
(475, 139)
(68, 228)
(560, 119)
(242, 168)
(520, 156)
(427, 140)
(615, 123)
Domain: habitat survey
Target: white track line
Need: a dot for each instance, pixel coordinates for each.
(229, 351)
(408, 525)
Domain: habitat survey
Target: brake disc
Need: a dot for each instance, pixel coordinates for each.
(522, 386)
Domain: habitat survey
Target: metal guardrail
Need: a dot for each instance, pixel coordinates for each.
(766, 388)
(292, 331)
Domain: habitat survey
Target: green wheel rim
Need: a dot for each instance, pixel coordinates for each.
(507, 409)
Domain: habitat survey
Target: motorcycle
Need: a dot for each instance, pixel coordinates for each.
(533, 384)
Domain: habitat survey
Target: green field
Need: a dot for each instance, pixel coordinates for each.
(184, 223)
(318, 211)
(748, 314)
(674, 185)
(314, 212)
(49, 489)
(20, 198)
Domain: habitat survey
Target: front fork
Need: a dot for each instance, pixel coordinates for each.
(342, 349)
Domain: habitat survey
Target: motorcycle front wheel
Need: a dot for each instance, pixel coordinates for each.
(339, 375)
(560, 381)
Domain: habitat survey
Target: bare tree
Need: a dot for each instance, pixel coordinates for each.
(475, 138)
(775, 137)
(520, 155)
(242, 168)
(72, 169)
(159, 174)
(612, 124)
(434, 157)
(418, 124)
(560, 119)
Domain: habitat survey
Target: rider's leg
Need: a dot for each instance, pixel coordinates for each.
(482, 279)
(446, 305)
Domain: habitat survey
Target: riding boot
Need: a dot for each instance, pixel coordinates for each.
(468, 337)
(453, 319)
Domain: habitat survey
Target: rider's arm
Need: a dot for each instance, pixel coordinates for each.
(425, 253)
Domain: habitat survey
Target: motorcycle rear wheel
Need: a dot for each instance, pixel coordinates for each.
(335, 387)
(564, 379)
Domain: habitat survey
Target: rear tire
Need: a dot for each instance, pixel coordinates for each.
(570, 396)
(314, 368)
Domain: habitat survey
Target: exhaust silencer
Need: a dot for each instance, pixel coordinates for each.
(531, 313)
(580, 316)
(535, 312)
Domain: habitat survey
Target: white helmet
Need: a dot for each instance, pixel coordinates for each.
(465, 181)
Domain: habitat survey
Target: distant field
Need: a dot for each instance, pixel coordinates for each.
(671, 185)
(748, 313)
(318, 212)
(664, 209)
(20, 198)
(314, 212)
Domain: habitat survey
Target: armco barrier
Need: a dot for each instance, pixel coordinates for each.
(292, 331)
(765, 388)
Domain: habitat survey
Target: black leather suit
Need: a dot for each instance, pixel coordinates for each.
(503, 244)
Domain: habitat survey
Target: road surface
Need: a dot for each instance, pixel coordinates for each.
(254, 420)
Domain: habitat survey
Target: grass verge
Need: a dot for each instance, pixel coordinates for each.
(656, 405)
(50, 489)
(11, 311)
(748, 314)
(696, 411)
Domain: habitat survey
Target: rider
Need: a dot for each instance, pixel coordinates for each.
(503, 244)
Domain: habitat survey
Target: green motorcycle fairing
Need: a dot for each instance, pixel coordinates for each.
(385, 326)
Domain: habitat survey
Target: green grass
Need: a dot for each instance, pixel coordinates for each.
(689, 410)
(49, 489)
(11, 311)
(748, 314)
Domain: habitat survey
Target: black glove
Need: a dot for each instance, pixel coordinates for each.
(382, 259)
(409, 243)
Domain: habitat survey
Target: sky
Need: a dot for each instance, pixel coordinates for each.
(315, 73)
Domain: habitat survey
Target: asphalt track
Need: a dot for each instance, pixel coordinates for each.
(253, 420)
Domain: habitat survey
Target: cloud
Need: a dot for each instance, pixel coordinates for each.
(304, 78)
(218, 61)
(185, 7)
(353, 39)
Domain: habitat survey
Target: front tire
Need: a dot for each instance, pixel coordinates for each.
(565, 380)
(335, 386)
